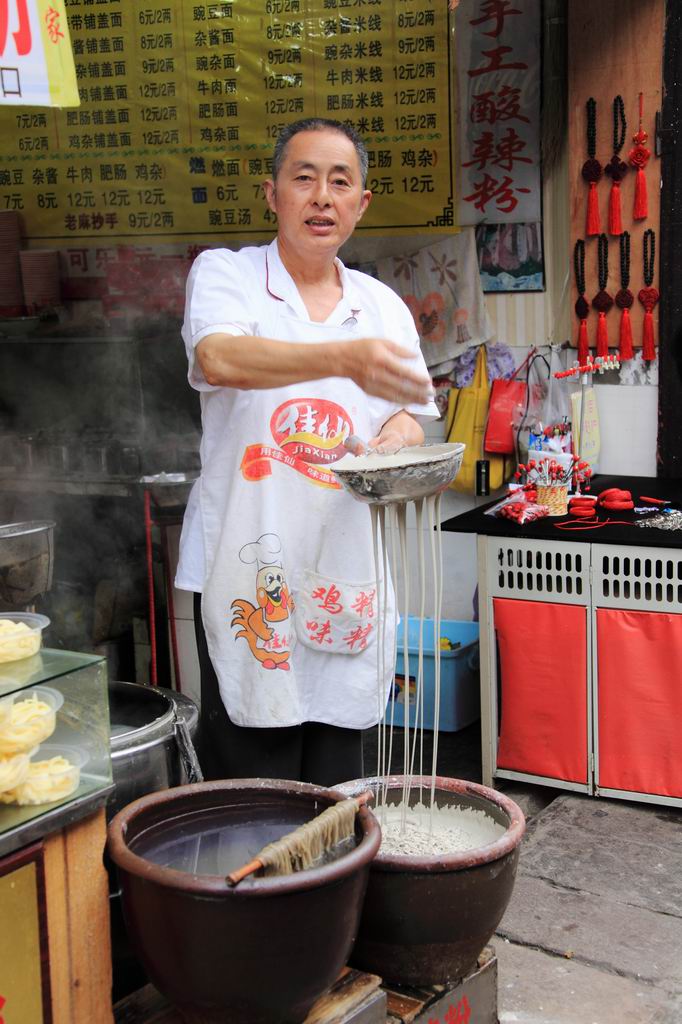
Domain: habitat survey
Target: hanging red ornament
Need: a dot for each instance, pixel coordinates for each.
(602, 301)
(624, 301)
(592, 170)
(638, 157)
(582, 307)
(616, 168)
(648, 295)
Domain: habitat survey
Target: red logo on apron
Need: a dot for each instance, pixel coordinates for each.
(309, 434)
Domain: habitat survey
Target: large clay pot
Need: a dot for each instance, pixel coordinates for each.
(426, 919)
(260, 953)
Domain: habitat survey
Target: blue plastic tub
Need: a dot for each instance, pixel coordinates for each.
(459, 677)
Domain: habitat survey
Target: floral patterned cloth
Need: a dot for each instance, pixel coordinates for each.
(442, 288)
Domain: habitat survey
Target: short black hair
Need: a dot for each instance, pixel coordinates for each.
(319, 124)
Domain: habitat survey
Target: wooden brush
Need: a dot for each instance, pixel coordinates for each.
(301, 848)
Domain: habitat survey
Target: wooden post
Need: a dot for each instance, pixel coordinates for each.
(77, 896)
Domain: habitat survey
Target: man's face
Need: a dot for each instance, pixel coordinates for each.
(318, 196)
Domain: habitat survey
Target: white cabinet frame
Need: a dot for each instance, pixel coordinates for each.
(592, 576)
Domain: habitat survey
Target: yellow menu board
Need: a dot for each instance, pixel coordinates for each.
(181, 104)
(22, 976)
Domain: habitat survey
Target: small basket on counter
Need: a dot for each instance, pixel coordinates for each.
(552, 476)
(555, 497)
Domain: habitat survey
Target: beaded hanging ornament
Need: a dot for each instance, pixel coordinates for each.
(638, 158)
(582, 306)
(592, 170)
(616, 168)
(602, 301)
(648, 295)
(624, 300)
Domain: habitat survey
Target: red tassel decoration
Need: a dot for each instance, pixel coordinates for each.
(583, 344)
(648, 346)
(624, 301)
(648, 295)
(592, 170)
(602, 336)
(641, 208)
(615, 219)
(592, 224)
(602, 301)
(582, 307)
(625, 348)
(616, 168)
(638, 157)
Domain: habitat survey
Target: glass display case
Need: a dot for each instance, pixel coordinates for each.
(54, 735)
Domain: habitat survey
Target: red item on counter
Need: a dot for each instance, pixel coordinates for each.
(582, 507)
(522, 511)
(581, 511)
(615, 498)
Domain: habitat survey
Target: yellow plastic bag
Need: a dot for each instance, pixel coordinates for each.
(467, 417)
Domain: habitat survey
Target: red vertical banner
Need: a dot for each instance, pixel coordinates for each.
(498, 79)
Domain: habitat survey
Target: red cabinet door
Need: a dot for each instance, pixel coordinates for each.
(639, 663)
(543, 688)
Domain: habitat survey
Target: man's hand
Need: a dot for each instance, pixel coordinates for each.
(382, 368)
(401, 430)
(388, 442)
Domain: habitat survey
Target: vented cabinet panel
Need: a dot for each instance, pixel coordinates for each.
(649, 579)
(539, 571)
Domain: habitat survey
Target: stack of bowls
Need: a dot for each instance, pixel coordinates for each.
(31, 771)
(40, 279)
(11, 291)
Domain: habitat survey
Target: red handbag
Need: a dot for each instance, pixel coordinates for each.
(506, 397)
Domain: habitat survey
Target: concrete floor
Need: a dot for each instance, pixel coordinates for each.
(593, 932)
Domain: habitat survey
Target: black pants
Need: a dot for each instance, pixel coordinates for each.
(311, 752)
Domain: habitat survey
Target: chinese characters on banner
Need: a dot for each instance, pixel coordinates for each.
(498, 76)
(182, 102)
(36, 62)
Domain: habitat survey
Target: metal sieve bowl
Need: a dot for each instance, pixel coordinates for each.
(26, 561)
(383, 485)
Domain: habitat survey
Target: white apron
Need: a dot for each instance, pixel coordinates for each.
(290, 601)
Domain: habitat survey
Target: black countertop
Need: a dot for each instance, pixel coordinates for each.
(618, 527)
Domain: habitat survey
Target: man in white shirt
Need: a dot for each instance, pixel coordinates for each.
(292, 353)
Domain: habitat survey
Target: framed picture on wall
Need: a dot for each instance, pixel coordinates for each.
(510, 257)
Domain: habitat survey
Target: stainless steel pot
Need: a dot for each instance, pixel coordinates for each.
(26, 561)
(152, 748)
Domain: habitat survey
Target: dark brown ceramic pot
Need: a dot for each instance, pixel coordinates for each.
(260, 953)
(426, 919)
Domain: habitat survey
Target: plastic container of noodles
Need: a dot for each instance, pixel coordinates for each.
(21, 635)
(14, 769)
(27, 718)
(53, 774)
